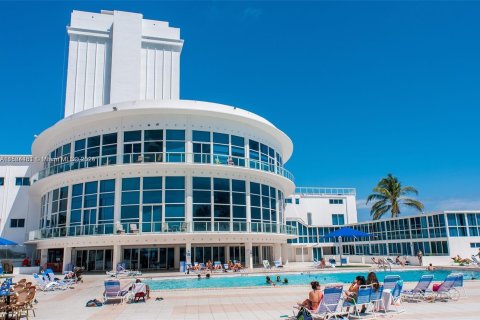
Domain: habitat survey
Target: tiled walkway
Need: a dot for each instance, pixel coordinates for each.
(258, 303)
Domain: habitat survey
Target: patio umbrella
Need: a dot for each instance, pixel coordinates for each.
(5, 243)
(346, 233)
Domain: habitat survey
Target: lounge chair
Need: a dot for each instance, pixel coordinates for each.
(329, 305)
(121, 270)
(458, 285)
(333, 263)
(475, 260)
(266, 264)
(445, 291)
(376, 299)
(133, 228)
(114, 292)
(278, 264)
(226, 267)
(316, 263)
(389, 282)
(43, 285)
(418, 293)
(363, 298)
(217, 266)
(52, 277)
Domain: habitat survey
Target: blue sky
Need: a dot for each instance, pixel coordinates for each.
(362, 88)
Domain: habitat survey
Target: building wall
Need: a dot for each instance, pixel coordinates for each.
(15, 201)
(118, 56)
(320, 207)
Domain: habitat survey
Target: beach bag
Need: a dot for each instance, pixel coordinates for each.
(304, 314)
(436, 286)
(93, 303)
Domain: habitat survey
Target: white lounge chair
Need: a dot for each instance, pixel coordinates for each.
(44, 285)
(266, 265)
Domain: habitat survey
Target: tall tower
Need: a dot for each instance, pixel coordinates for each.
(118, 56)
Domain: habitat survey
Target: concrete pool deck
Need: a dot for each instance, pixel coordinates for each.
(261, 303)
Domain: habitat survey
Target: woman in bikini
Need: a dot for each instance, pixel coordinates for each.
(314, 297)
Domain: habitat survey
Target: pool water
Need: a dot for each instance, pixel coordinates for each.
(219, 280)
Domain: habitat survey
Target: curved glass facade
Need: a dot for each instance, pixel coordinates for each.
(158, 204)
(159, 145)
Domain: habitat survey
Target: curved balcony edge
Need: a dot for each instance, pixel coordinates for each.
(163, 157)
(164, 228)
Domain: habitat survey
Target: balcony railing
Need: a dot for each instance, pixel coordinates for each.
(164, 157)
(325, 191)
(159, 228)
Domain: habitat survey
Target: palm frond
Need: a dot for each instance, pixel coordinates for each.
(412, 203)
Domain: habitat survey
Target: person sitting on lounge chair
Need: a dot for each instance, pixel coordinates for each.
(323, 265)
(314, 297)
(237, 266)
(209, 265)
(399, 262)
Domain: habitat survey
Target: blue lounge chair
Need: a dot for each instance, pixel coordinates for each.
(113, 291)
(363, 298)
(329, 306)
(390, 282)
(376, 299)
(418, 293)
(446, 290)
(458, 285)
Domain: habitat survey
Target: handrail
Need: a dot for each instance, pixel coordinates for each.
(131, 228)
(164, 157)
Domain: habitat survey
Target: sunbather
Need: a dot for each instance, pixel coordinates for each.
(399, 262)
(351, 293)
(314, 297)
(322, 263)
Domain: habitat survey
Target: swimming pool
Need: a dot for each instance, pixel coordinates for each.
(219, 280)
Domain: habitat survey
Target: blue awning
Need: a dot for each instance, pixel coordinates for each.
(6, 242)
(347, 233)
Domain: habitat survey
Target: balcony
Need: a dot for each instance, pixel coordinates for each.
(314, 191)
(128, 229)
(163, 157)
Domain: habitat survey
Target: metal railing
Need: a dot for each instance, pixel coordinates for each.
(325, 191)
(159, 227)
(166, 157)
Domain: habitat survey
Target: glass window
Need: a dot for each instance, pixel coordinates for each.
(17, 223)
(130, 184)
(175, 134)
(201, 183)
(201, 136)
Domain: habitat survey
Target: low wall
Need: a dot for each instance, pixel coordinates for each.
(25, 270)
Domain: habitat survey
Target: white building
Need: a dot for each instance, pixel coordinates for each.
(134, 174)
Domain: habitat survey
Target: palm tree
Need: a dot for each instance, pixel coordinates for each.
(389, 195)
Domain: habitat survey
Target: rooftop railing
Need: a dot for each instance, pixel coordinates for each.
(164, 157)
(325, 191)
(159, 228)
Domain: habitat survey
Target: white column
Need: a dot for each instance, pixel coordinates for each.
(277, 251)
(43, 257)
(116, 256)
(176, 257)
(118, 201)
(189, 202)
(227, 254)
(260, 254)
(188, 252)
(284, 251)
(248, 204)
(67, 257)
(249, 255)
